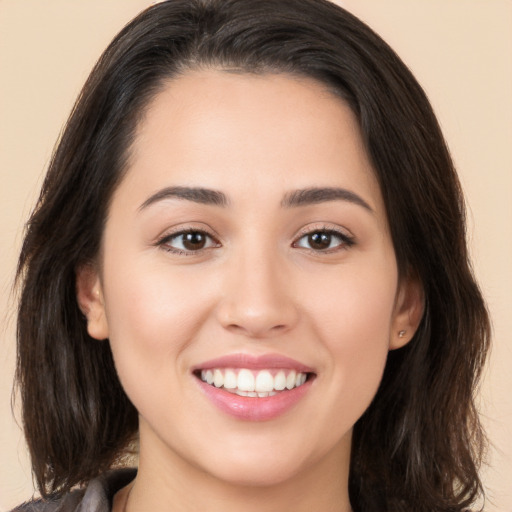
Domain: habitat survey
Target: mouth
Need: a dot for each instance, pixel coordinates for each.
(254, 388)
(254, 383)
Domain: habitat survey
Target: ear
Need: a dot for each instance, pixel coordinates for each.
(89, 294)
(408, 312)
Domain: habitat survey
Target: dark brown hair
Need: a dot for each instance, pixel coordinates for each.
(419, 444)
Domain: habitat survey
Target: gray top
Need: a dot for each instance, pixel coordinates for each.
(96, 497)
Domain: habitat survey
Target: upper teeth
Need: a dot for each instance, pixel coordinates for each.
(253, 383)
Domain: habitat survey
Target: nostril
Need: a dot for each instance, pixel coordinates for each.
(252, 310)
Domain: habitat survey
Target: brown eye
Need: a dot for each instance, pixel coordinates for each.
(194, 241)
(320, 240)
(188, 241)
(324, 240)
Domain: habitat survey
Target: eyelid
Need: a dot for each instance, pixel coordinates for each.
(177, 231)
(348, 239)
(324, 226)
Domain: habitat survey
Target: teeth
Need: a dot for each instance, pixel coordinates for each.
(253, 383)
(290, 380)
(264, 381)
(245, 380)
(230, 380)
(218, 379)
(298, 380)
(280, 381)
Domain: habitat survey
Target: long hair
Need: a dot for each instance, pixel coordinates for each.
(419, 444)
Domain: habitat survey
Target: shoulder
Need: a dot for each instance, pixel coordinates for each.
(66, 503)
(97, 496)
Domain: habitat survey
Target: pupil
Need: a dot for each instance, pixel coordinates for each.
(320, 240)
(194, 241)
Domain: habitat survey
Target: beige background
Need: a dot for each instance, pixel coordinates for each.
(460, 50)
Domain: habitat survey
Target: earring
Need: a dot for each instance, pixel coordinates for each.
(401, 333)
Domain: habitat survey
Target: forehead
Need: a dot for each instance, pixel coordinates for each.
(221, 129)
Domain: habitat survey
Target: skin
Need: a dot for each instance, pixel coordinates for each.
(257, 287)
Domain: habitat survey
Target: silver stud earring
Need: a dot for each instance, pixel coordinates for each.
(401, 333)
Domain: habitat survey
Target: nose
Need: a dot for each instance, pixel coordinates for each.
(258, 299)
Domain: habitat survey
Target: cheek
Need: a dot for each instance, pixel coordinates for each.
(353, 319)
(152, 316)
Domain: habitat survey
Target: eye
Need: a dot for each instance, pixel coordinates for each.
(324, 240)
(188, 241)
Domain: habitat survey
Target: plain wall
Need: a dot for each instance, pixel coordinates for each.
(461, 52)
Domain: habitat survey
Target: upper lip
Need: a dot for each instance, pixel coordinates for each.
(253, 362)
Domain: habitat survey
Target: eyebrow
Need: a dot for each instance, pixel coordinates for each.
(195, 194)
(293, 199)
(315, 195)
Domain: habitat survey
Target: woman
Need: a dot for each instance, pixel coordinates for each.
(253, 203)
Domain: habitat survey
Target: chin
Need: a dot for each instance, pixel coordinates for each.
(257, 475)
(266, 463)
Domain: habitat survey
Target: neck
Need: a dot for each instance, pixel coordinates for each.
(165, 481)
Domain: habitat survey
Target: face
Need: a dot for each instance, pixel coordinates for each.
(247, 252)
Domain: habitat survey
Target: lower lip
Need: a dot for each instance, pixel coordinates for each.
(253, 408)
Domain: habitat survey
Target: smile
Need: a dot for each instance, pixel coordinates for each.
(253, 383)
(254, 387)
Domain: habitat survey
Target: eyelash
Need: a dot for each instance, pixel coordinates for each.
(165, 241)
(345, 241)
